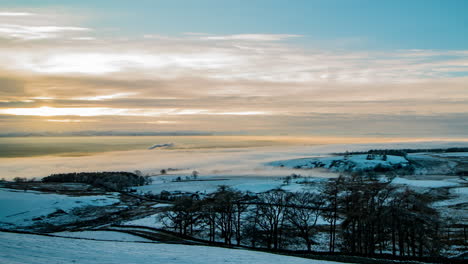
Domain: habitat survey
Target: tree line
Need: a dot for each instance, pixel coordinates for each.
(360, 215)
(404, 152)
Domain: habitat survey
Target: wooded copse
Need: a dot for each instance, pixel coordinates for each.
(113, 180)
(364, 217)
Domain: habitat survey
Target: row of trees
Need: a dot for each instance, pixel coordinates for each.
(404, 152)
(361, 216)
(378, 216)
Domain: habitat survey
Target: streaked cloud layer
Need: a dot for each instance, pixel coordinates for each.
(58, 71)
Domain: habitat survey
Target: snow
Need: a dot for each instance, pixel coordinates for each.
(460, 196)
(209, 184)
(103, 235)
(149, 221)
(341, 163)
(423, 156)
(459, 191)
(19, 207)
(424, 183)
(452, 154)
(32, 249)
(161, 205)
(432, 163)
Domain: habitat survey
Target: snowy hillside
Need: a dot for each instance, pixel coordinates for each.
(209, 184)
(103, 235)
(19, 208)
(343, 163)
(31, 249)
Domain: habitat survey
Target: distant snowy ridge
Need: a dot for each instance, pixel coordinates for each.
(349, 163)
(167, 145)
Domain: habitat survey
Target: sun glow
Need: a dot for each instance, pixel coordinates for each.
(105, 97)
(69, 120)
(106, 111)
(52, 111)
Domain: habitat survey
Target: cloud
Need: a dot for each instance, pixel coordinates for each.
(105, 97)
(161, 122)
(103, 111)
(186, 58)
(40, 25)
(35, 32)
(11, 86)
(69, 120)
(15, 14)
(251, 37)
(200, 81)
(83, 38)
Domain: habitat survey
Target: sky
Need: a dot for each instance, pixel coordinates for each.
(316, 68)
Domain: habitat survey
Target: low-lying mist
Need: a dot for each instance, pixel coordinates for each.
(216, 161)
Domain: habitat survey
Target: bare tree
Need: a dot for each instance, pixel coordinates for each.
(183, 216)
(303, 212)
(227, 210)
(272, 207)
(331, 214)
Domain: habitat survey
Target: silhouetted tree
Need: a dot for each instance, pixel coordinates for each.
(271, 207)
(303, 212)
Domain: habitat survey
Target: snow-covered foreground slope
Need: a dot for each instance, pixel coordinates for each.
(103, 235)
(22, 248)
(19, 208)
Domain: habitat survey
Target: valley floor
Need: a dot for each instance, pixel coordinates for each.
(70, 207)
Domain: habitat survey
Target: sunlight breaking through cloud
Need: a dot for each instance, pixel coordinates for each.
(105, 111)
(54, 64)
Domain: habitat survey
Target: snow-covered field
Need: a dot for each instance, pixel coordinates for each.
(149, 221)
(458, 196)
(32, 249)
(19, 208)
(209, 184)
(103, 235)
(450, 182)
(255, 170)
(452, 154)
